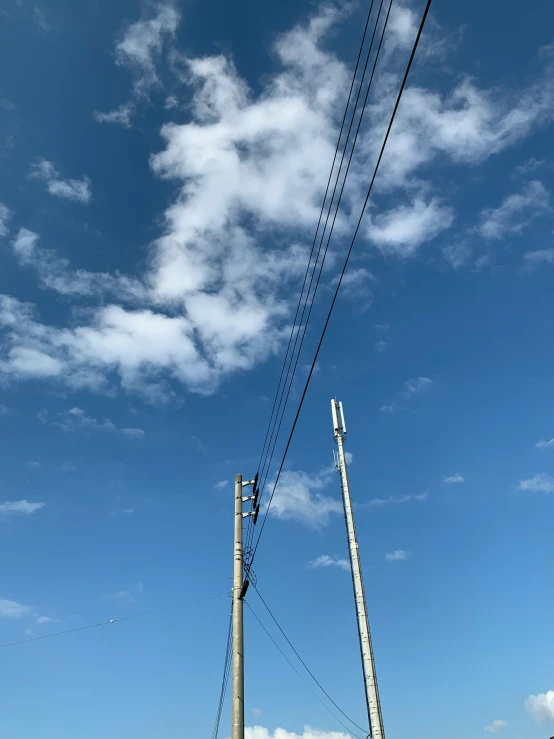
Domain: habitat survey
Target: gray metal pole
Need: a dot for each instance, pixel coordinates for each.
(366, 648)
(237, 729)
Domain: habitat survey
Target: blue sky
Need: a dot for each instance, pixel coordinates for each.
(162, 168)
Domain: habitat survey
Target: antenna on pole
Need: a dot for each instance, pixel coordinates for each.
(366, 649)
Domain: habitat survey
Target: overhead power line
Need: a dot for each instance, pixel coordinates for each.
(310, 673)
(111, 621)
(347, 259)
(225, 679)
(302, 678)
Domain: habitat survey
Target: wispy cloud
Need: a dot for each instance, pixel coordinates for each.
(496, 725)
(78, 190)
(387, 408)
(75, 419)
(19, 507)
(516, 212)
(139, 51)
(397, 499)
(454, 479)
(221, 484)
(527, 167)
(398, 555)
(381, 346)
(68, 467)
(40, 20)
(382, 326)
(541, 707)
(416, 385)
(122, 512)
(539, 256)
(545, 444)
(5, 216)
(541, 483)
(298, 497)
(326, 561)
(12, 609)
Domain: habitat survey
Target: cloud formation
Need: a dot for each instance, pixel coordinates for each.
(541, 707)
(76, 419)
(77, 190)
(19, 507)
(138, 51)
(453, 479)
(541, 483)
(326, 561)
(416, 385)
(496, 726)
(397, 499)
(516, 212)
(398, 555)
(298, 497)
(259, 732)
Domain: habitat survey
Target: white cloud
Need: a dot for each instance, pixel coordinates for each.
(256, 712)
(541, 483)
(56, 274)
(382, 326)
(68, 467)
(40, 19)
(41, 620)
(297, 498)
(138, 51)
(221, 484)
(457, 255)
(545, 444)
(530, 165)
(387, 409)
(398, 555)
(402, 230)
(129, 595)
(71, 189)
(4, 410)
(5, 216)
(76, 419)
(541, 707)
(381, 346)
(516, 211)
(496, 725)
(43, 416)
(326, 561)
(22, 507)
(122, 512)
(215, 298)
(416, 385)
(397, 499)
(539, 256)
(259, 732)
(457, 477)
(11, 609)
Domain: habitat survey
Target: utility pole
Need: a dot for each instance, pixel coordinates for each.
(366, 649)
(240, 586)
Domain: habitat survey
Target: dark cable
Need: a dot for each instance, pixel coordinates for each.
(260, 465)
(110, 621)
(225, 680)
(397, 103)
(299, 675)
(311, 674)
(334, 217)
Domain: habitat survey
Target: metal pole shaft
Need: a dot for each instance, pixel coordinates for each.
(368, 662)
(237, 730)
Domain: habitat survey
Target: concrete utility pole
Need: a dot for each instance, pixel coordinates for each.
(237, 731)
(240, 586)
(368, 662)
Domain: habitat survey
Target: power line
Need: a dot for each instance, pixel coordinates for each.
(225, 680)
(336, 211)
(111, 621)
(391, 121)
(301, 677)
(311, 674)
(263, 459)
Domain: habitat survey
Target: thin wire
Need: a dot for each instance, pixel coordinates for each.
(260, 465)
(111, 621)
(225, 680)
(339, 283)
(336, 211)
(300, 676)
(319, 685)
